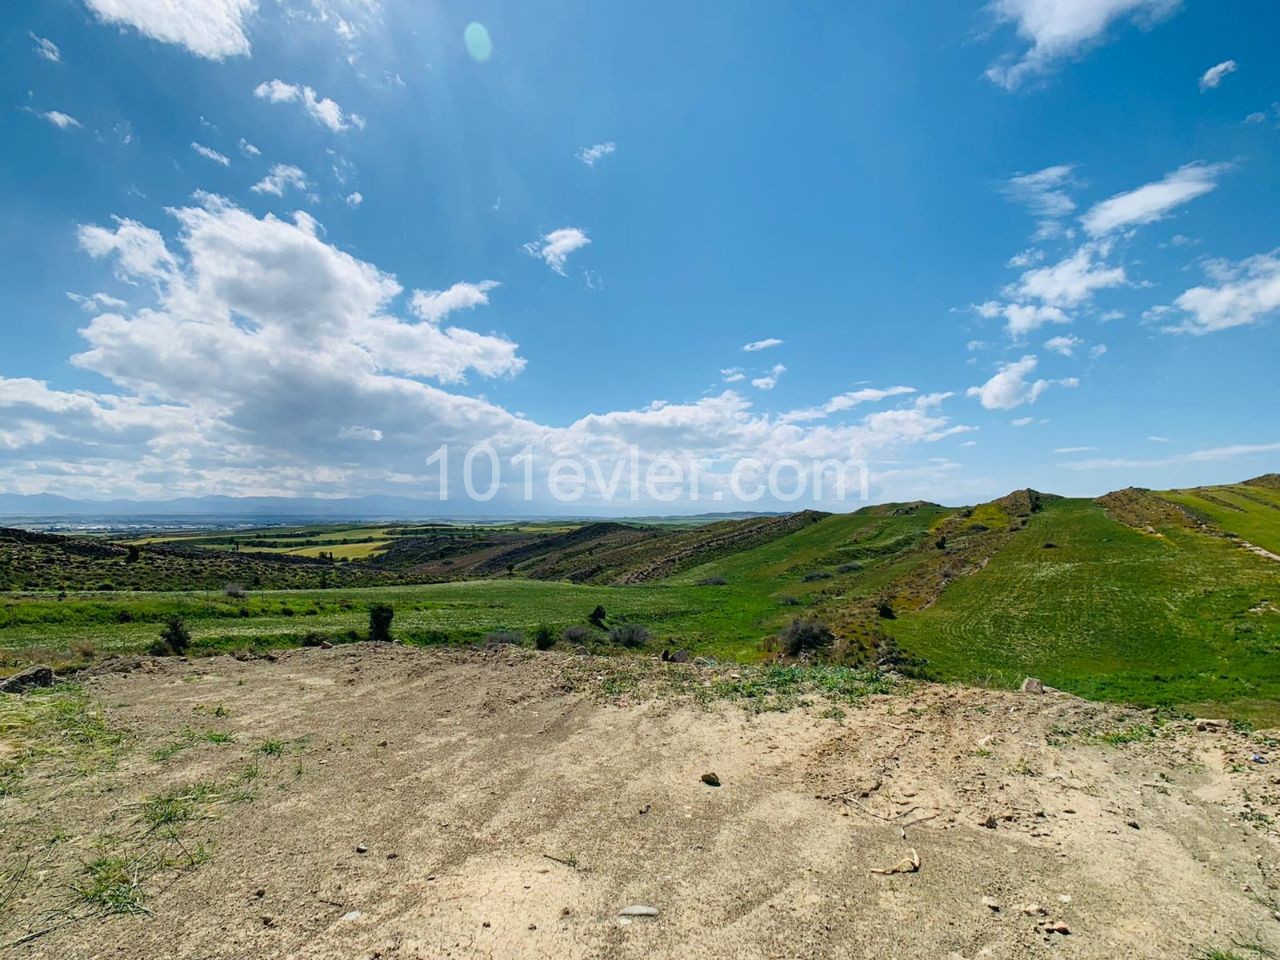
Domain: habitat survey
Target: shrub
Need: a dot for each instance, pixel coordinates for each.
(789, 601)
(233, 590)
(513, 638)
(597, 616)
(314, 638)
(813, 575)
(577, 636)
(712, 582)
(805, 636)
(134, 555)
(852, 567)
(174, 640)
(885, 611)
(544, 638)
(380, 616)
(629, 635)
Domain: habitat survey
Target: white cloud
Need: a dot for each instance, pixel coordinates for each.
(1153, 201)
(1065, 345)
(1069, 282)
(46, 48)
(213, 29)
(63, 121)
(1097, 350)
(434, 305)
(845, 401)
(1061, 29)
(554, 248)
(1023, 421)
(732, 375)
(280, 178)
(210, 154)
(1043, 192)
(590, 155)
(248, 149)
(1213, 76)
(1195, 456)
(1073, 449)
(360, 433)
(96, 302)
(1245, 293)
(324, 111)
(355, 198)
(1159, 439)
(770, 380)
(765, 344)
(140, 252)
(1024, 318)
(1009, 388)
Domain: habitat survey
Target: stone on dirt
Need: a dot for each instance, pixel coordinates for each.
(711, 780)
(638, 910)
(1032, 685)
(28, 680)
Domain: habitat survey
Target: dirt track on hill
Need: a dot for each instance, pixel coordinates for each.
(430, 803)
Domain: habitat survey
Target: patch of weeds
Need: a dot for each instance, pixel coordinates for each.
(833, 713)
(271, 748)
(1022, 767)
(113, 884)
(1134, 734)
(60, 722)
(981, 753)
(779, 688)
(189, 738)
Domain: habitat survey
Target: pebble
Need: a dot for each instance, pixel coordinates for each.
(1132, 823)
(991, 903)
(711, 780)
(1033, 910)
(361, 848)
(1058, 927)
(638, 910)
(352, 915)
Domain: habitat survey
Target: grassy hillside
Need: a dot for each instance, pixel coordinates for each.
(1249, 511)
(1178, 617)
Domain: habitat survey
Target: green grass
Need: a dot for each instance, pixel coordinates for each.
(1112, 614)
(1252, 513)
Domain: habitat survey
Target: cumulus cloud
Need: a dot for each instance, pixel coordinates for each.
(213, 29)
(46, 48)
(1065, 345)
(769, 380)
(764, 344)
(554, 248)
(354, 199)
(281, 177)
(733, 375)
(1011, 388)
(360, 433)
(1213, 76)
(210, 154)
(1153, 201)
(591, 155)
(434, 305)
(1243, 293)
(1069, 282)
(1061, 29)
(323, 110)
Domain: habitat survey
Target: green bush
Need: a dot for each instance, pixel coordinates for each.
(805, 636)
(544, 638)
(380, 616)
(174, 640)
(630, 635)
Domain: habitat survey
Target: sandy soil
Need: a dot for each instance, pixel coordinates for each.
(427, 803)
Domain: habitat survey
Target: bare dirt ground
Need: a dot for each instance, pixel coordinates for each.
(376, 801)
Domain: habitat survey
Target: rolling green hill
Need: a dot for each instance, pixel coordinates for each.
(1155, 597)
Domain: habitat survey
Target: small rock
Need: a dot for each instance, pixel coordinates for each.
(485, 924)
(268, 920)
(1206, 725)
(260, 893)
(392, 855)
(990, 822)
(711, 780)
(361, 848)
(682, 656)
(533, 926)
(991, 903)
(352, 915)
(638, 910)
(1056, 927)
(1033, 910)
(28, 679)
(1032, 685)
(1132, 823)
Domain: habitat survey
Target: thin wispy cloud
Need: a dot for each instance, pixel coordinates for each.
(592, 155)
(1153, 201)
(1214, 75)
(46, 48)
(765, 344)
(210, 154)
(1195, 456)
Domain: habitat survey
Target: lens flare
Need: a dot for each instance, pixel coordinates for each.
(479, 45)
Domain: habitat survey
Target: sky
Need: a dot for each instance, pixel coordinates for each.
(296, 247)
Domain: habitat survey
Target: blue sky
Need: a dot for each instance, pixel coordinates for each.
(292, 247)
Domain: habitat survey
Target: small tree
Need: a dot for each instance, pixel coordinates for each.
(597, 617)
(805, 636)
(174, 640)
(380, 615)
(134, 554)
(544, 638)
